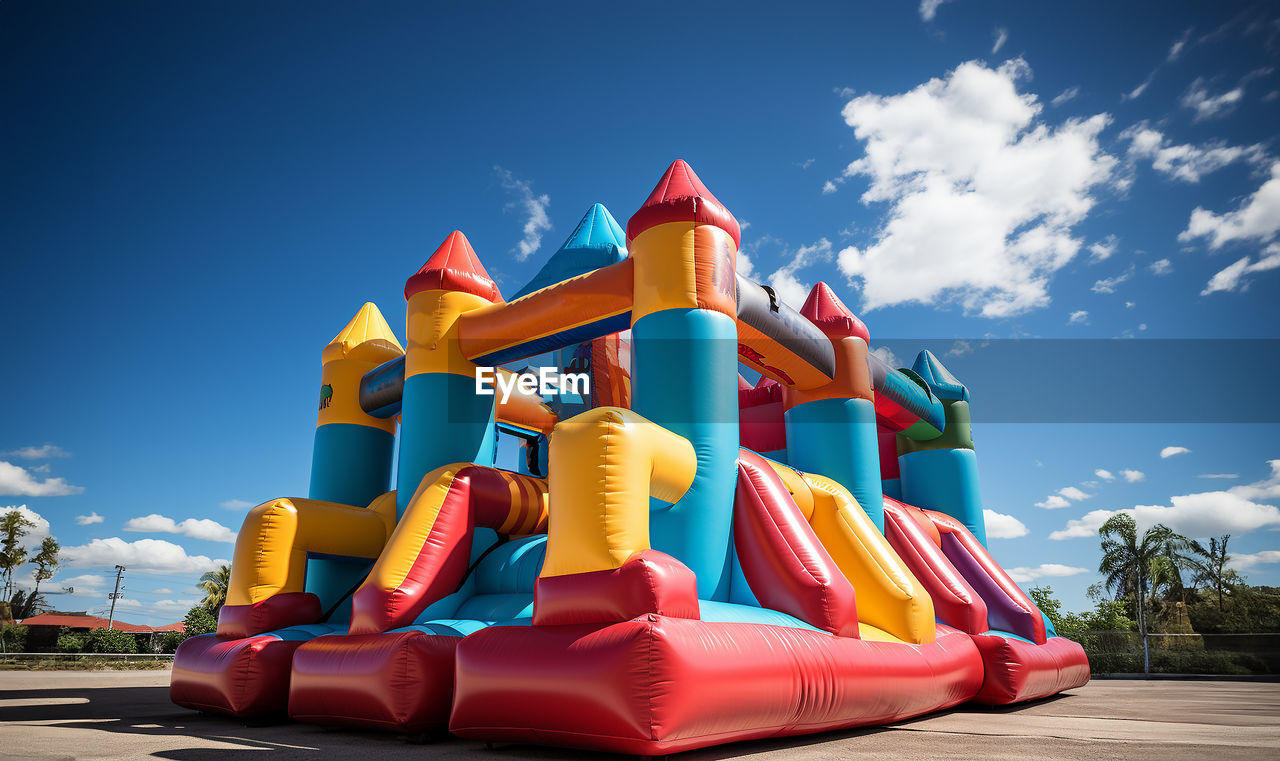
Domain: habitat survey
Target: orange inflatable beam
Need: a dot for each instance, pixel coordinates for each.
(578, 309)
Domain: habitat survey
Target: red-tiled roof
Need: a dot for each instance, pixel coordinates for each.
(74, 621)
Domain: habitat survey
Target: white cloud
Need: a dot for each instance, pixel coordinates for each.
(1053, 502)
(1001, 526)
(1186, 162)
(1206, 106)
(89, 520)
(1232, 277)
(1211, 513)
(39, 453)
(235, 504)
(203, 528)
(1066, 95)
(887, 356)
(86, 581)
(805, 164)
(1246, 561)
(146, 555)
(1257, 218)
(1078, 317)
(1133, 476)
(745, 267)
(929, 8)
(982, 197)
(162, 591)
(1104, 474)
(1023, 574)
(173, 606)
(1227, 476)
(1160, 267)
(1103, 249)
(36, 533)
(1130, 304)
(1072, 493)
(534, 208)
(1168, 452)
(1001, 37)
(15, 480)
(1268, 488)
(828, 188)
(784, 282)
(1109, 284)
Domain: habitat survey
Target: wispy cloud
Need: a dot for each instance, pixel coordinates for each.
(929, 8)
(1109, 284)
(784, 281)
(235, 504)
(1175, 51)
(89, 520)
(43, 452)
(534, 208)
(1066, 95)
(1078, 317)
(1233, 276)
(1160, 267)
(1168, 452)
(1001, 36)
(1024, 574)
(1205, 105)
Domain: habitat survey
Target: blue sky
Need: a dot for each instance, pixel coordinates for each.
(198, 198)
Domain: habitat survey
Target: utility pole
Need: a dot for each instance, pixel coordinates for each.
(111, 619)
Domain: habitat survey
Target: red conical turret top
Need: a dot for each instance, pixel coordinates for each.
(681, 197)
(825, 309)
(454, 267)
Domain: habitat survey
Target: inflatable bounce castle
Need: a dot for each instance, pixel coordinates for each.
(682, 558)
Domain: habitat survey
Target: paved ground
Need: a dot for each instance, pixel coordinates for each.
(127, 715)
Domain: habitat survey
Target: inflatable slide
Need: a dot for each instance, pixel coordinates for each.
(679, 557)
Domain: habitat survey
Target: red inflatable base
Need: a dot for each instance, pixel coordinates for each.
(1018, 671)
(241, 677)
(655, 685)
(401, 682)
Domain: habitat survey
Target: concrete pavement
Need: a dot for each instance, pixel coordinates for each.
(127, 715)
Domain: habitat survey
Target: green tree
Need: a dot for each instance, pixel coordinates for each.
(71, 642)
(200, 620)
(25, 605)
(214, 584)
(13, 527)
(1049, 605)
(1212, 570)
(1127, 562)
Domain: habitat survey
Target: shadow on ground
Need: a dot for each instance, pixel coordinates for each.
(147, 711)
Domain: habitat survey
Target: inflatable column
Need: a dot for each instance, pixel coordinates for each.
(832, 430)
(443, 420)
(351, 460)
(942, 474)
(684, 333)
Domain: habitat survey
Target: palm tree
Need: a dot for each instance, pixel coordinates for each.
(1128, 560)
(13, 526)
(214, 584)
(1211, 568)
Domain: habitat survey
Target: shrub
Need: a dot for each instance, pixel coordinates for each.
(71, 642)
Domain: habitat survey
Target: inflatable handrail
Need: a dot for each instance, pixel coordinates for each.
(779, 342)
(271, 550)
(955, 602)
(890, 597)
(428, 554)
(606, 463)
(1008, 607)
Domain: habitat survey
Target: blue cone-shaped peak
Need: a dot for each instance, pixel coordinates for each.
(596, 242)
(941, 382)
